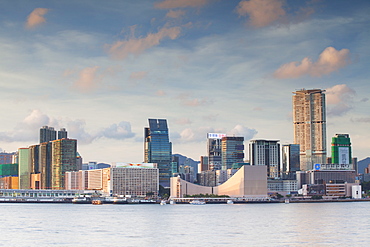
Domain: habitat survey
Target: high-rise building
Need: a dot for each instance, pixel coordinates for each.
(341, 152)
(290, 161)
(266, 153)
(214, 150)
(64, 153)
(232, 151)
(158, 149)
(309, 121)
(62, 133)
(45, 164)
(24, 168)
(6, 158)
(47, 134)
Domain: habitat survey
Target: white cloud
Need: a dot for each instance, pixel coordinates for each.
(330, 60)
(339, 99)
(118, 131)
(240, 130)
(36, 17)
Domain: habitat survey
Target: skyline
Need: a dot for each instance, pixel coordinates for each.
(101, 70)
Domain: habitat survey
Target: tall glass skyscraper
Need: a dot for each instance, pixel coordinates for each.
(158, 149)
(309, 122)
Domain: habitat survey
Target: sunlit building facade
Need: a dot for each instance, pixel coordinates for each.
(158, 149)
(232, 151)
(309, 122)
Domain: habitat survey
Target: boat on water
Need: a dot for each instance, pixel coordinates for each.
(286, 201)
(97, 202)
(197, 202)
(163, 202)
(172, 202)
(81, 200)
(229, 202)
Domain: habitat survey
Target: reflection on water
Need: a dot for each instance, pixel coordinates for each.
(294, 224)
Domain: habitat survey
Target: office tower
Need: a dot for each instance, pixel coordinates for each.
(34, 158)
(232, 151)
(265, 153)
(341, 152)
(6, 158)
(64, 153)
(158, 149)
(203, 164)
(47, 134)
(290, 161)
(175, 165)
(24, 169)
(45, 164)
(309, 121)
(214, 150)
(62, 133)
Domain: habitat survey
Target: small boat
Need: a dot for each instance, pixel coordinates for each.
(229, 202)
(197, 202)
(81, 200)
(163, 202)
(286, 201)
(172, 202)
(97, 202)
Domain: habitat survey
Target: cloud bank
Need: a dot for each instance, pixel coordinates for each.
(339, 99)
(36, 18)
(330, 60)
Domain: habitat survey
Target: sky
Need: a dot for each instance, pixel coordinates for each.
(100, 69)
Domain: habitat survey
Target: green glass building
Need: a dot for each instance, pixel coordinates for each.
(341, 150)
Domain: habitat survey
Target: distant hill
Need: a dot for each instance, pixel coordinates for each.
(362, 164)
(183, 160)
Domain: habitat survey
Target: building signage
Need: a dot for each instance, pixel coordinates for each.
(135, 165)
(317, 166)
(343, 153)
(216, 135)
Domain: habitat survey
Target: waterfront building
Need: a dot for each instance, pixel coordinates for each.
(45, 155)
(341, 151)
(232, 151)
(214, 150)
(6, 158)
(11, 182)
(309, 122)
(47, 134)
(62, 133)
(282, 185)
(158, 149)
(131, 179)
(64, 153)
(24, 168)
(266, 153)
(290, 161)
(248, 181)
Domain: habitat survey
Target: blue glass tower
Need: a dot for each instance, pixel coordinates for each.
(158, 149)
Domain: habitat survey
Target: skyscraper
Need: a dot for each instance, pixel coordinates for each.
(309, 121)
(24, 168)
(45, 164)
(232, 151)
(47, 134)
(214, 150)
(341, 151)
(265, 153)
(290, 161)
(64, 153)
(158, 149)
(62, 133)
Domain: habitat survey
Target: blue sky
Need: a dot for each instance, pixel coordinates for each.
(102, 68)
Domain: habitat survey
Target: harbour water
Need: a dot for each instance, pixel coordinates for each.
(278, 224)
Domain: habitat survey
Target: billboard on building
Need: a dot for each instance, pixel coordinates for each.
(343, 153)
(134, 165)
(215, 135)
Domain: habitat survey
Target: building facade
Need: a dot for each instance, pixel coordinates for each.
(158, 149)
(266, 153)
(290, 161)
(64, 153)
(341, 149)
(47, 134)
(309, 122)
(214, 150)
(24, 168)
(232, 151)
